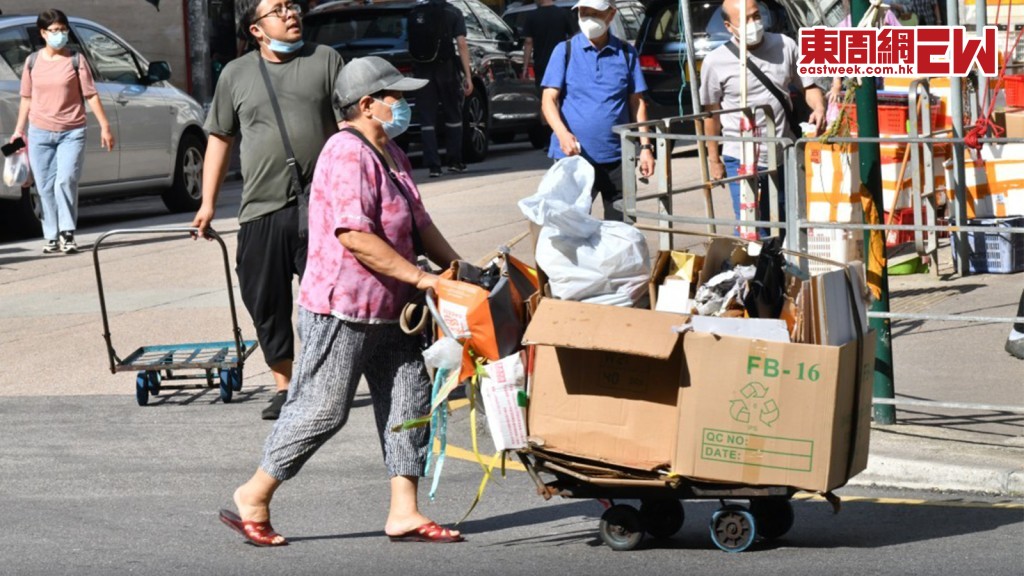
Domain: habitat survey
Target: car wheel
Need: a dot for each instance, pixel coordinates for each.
(24, 218)
(186, 194)
(475, 127)
(502, 137)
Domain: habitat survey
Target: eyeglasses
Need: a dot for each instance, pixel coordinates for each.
(281, 11)
(55, 30)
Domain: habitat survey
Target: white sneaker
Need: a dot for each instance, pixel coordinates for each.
(51, 247)
(67, 243)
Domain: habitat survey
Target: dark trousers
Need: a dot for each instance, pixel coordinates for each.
(1019, 327)
(608, 183)
(445, 87)
(269, 254)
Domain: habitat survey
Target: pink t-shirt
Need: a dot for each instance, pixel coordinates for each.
(352, 191)
(57, 96)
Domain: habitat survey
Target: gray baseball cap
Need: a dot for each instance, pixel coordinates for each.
(369, 75)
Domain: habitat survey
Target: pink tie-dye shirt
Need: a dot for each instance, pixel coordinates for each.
(352, 191)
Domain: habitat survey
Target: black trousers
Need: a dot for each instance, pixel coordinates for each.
(445, 87)
(1019, 327)
(608, 183)
(269, 254)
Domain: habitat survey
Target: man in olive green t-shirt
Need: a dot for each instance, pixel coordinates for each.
(270, 251)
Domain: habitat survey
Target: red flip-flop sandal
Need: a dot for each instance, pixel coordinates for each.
(257, 533)
(429, 532)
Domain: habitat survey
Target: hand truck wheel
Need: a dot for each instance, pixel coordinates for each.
(142, 388)
(774, 516)
(621, 527)
(733, 528)
(662, 518)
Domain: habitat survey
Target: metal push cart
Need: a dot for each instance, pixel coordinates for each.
(733, 527)
(203, 361)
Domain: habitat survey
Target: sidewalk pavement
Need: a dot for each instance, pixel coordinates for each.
(156, 296)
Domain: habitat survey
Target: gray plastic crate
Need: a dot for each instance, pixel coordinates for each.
(994, 252)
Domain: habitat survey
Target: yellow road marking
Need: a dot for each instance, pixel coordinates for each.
(955, 503)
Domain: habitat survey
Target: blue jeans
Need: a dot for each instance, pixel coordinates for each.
(732, 168)
(56, 159)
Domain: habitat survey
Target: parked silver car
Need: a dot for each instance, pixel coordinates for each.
(158, 128)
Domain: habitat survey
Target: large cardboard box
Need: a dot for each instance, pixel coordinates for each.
(605, 382)
(774, 413)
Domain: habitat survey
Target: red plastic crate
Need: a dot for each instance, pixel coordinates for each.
(892, 118)
(1014, 90)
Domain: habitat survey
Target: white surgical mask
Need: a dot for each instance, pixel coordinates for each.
(755, 32)
(593, 27)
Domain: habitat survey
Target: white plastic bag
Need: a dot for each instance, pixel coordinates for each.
(611, 266)
(563, 198)
(584, 258)
(16, 170)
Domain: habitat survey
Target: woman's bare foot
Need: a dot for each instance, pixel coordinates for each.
(251, 504)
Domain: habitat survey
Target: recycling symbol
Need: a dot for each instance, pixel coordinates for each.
(755, 401)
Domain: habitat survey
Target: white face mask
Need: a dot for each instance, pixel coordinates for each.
(593, 27)
(755, 32)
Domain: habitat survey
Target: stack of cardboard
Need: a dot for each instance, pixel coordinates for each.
(622, 386)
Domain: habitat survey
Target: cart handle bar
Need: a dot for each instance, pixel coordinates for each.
(192, 232)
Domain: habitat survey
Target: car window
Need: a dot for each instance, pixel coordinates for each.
(111, 60)
(473, 27)
(370, 29)
(15, 48)
(494, 27)
(630, 21)
(665, 24)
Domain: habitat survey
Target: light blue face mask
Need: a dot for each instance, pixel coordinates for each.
(57, 40)
(401, 116)
(282, 47)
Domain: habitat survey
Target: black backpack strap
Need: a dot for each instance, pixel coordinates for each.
(417, 240)
(763, 79)
(297, 178)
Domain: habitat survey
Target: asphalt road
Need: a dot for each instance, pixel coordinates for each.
(91, 484)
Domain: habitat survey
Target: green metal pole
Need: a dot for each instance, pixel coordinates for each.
(871, 177)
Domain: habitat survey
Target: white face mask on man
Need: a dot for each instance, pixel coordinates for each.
(593, 27)
(754, 32)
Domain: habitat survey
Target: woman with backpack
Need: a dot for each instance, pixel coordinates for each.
(55, 85)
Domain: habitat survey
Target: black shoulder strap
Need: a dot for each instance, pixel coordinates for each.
(297, 179)
(32, 61)
(786, 108)
(565, 72)
(417, 240)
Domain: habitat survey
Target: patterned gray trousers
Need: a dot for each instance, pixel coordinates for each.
(333, 356)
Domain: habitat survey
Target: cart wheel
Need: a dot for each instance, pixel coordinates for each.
(225, 389)
(621, 528)
(774, 516)
(231, 377)
(142, 388)
(153, 378)
(662, 518)
(733, 528)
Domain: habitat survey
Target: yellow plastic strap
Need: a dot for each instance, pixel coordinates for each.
(481, 488)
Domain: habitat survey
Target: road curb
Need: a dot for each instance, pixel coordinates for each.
(911, 474)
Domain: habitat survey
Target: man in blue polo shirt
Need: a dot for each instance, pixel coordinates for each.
(597, 86)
